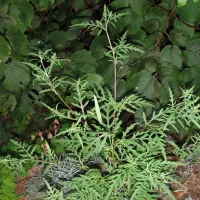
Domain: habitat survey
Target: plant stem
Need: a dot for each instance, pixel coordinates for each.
(62, 100)
(114, 61)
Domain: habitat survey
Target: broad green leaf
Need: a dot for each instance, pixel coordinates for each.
(36, 45)
(6, 21)
(156, 13)
(119, 4)
(189, 12)
(98, 46)
(167, 4)
(140, 6)
(132, 26)
(11, 102)
(151, 25)
(7, 99)
(132, 81)
(126, 22)
(171, 54)
(191, 57)
(163, 93)
(7, 190)
(94, 80)
(60, 39)
(4, 49)
(171, 77)
(143, 83)
(180, 26)
(151, 40)
(43, 4)
(17, 76)
(191, 78)
(122, 70)
(149, 64)
(36, 22)
(2, 71)
(182, 2)
(83, 61)
(30, 96)
(193, 45)
(22, 11)
(4, 6)
(78, 4)
(179, 37)
(19, 43)
(4, 197)
(146, 85)
(9, 182)
(121, 88)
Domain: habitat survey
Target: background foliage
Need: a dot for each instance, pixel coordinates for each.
(167, 33)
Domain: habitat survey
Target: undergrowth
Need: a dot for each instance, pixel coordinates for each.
(104, 158)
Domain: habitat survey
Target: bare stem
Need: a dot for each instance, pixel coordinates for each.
(114, 61)
(62, 100)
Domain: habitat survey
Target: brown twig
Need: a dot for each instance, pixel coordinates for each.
(176, 16)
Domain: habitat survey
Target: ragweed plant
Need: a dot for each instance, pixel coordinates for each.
(104, 158)
(118, 51)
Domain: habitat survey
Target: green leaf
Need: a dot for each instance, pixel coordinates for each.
(180, 26)
(78, 4)
(4, 6)
(171, 54)
(132, 26)
(17, 76)
(182, 2)
(121, 88)
(6, 21)
(22, 12)
(98, 46)
(4, 49)
(97, 109)
(147, 84)
(118, 4)
(143, 83)
(107, 71)
(94, 80)
(29, 97)
(19, 43)
(179, 37)
(83, 61)
(191, 58)
(4, 197)
(193, 45)
(140, 6)
(36, 22)
(60, 39)
(163, 93)
(191, 78)
(189, 12)
(151, 26)
(11, 102)
(9, 183)
(43, 4)
(171, 77)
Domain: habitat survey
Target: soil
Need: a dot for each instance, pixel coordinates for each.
(189, 177)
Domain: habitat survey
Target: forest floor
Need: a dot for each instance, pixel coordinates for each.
(189, 177)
